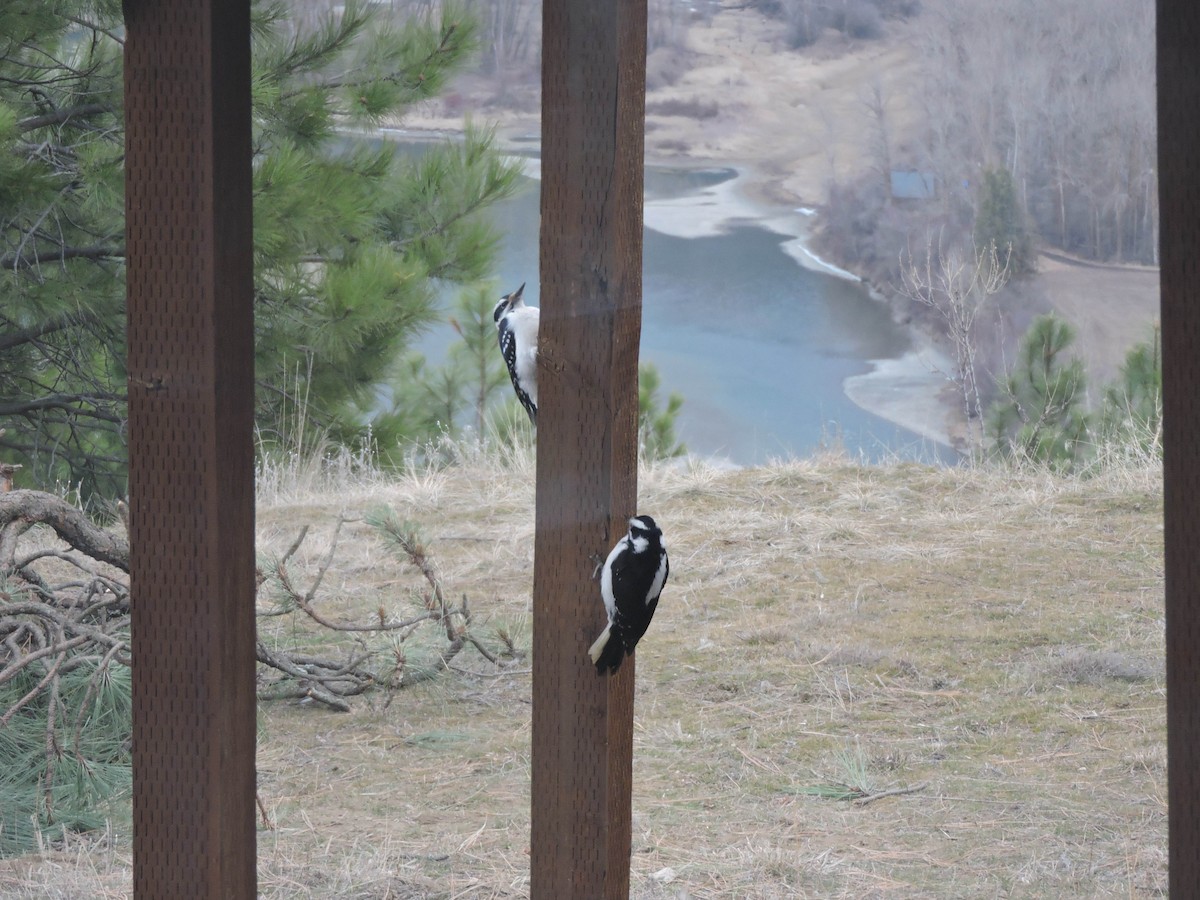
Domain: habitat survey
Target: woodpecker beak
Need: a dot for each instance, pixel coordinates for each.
(508, 301)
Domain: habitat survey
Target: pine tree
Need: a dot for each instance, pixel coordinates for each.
(1132, 412)
(463, 394)
(1000, 222)
(1040, 415)
(470, 394)
(61, 241)
(349, 236)
(656, 423)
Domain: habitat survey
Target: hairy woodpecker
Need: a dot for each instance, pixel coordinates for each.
(517, 329)
(630, 581)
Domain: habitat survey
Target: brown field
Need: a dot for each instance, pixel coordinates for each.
(988, 643)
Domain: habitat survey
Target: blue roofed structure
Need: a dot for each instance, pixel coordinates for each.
(913, 185)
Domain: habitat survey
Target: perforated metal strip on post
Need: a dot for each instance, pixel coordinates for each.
(190, 342)
(1179, 206)
(593, 110)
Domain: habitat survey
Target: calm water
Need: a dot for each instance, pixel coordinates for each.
(758, 345)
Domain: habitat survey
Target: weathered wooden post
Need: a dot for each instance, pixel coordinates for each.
(593, 111)
(1179, 208)
(191, 472)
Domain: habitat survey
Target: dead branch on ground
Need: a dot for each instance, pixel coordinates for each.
(65, 605)
(383, 663)
(64, 614)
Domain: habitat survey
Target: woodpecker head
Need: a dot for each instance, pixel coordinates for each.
(642, 525)
(508, 302)
(642, 530)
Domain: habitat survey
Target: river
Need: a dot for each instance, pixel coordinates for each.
(761, 347)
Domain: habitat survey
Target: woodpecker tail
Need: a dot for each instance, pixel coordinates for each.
(601, 642)
(527, 402)
(606, 653)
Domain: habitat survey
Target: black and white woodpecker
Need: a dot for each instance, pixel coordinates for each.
(630, 581)
(517, 330)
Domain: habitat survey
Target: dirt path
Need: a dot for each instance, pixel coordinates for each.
(798, 119)
(1111, 307)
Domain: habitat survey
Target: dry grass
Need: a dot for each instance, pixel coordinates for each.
(994, 636)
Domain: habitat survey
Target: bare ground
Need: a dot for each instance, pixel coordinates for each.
(986, 643)
(1112, 307)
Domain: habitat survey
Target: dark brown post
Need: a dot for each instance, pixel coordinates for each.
(593, 113)
(191, 477)
(1179, 205)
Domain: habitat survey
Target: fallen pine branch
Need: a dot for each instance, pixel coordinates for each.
(373, 664)
(20, 510)
(893, 792)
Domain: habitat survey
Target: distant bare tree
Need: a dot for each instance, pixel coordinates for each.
(1061, 95)
(807, 19)
(956, 284)
(511, 30)
(881, 150)
(511, 35)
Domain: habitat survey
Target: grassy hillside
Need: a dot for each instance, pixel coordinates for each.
(986, 644)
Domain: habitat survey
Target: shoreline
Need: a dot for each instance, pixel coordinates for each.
(907, 391)
(792, 124)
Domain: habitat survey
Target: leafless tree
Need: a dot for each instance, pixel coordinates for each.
(1062, 95)
(876, 101)
(956, 284)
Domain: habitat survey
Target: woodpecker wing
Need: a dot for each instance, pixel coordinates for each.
(508, 349)
(637, 582)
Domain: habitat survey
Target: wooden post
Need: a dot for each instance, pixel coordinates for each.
(1179, 207)
(593, 112)
(191, 470)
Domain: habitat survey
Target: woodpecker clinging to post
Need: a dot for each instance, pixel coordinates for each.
(630, 581)
(517, 330)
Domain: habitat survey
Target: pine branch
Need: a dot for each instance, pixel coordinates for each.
(414, 83)
(78, 404)
(310, 684)
(307, 54)
(62, 116)
(11, 339)
(19, 261)
(97, 29)
(327, 681)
